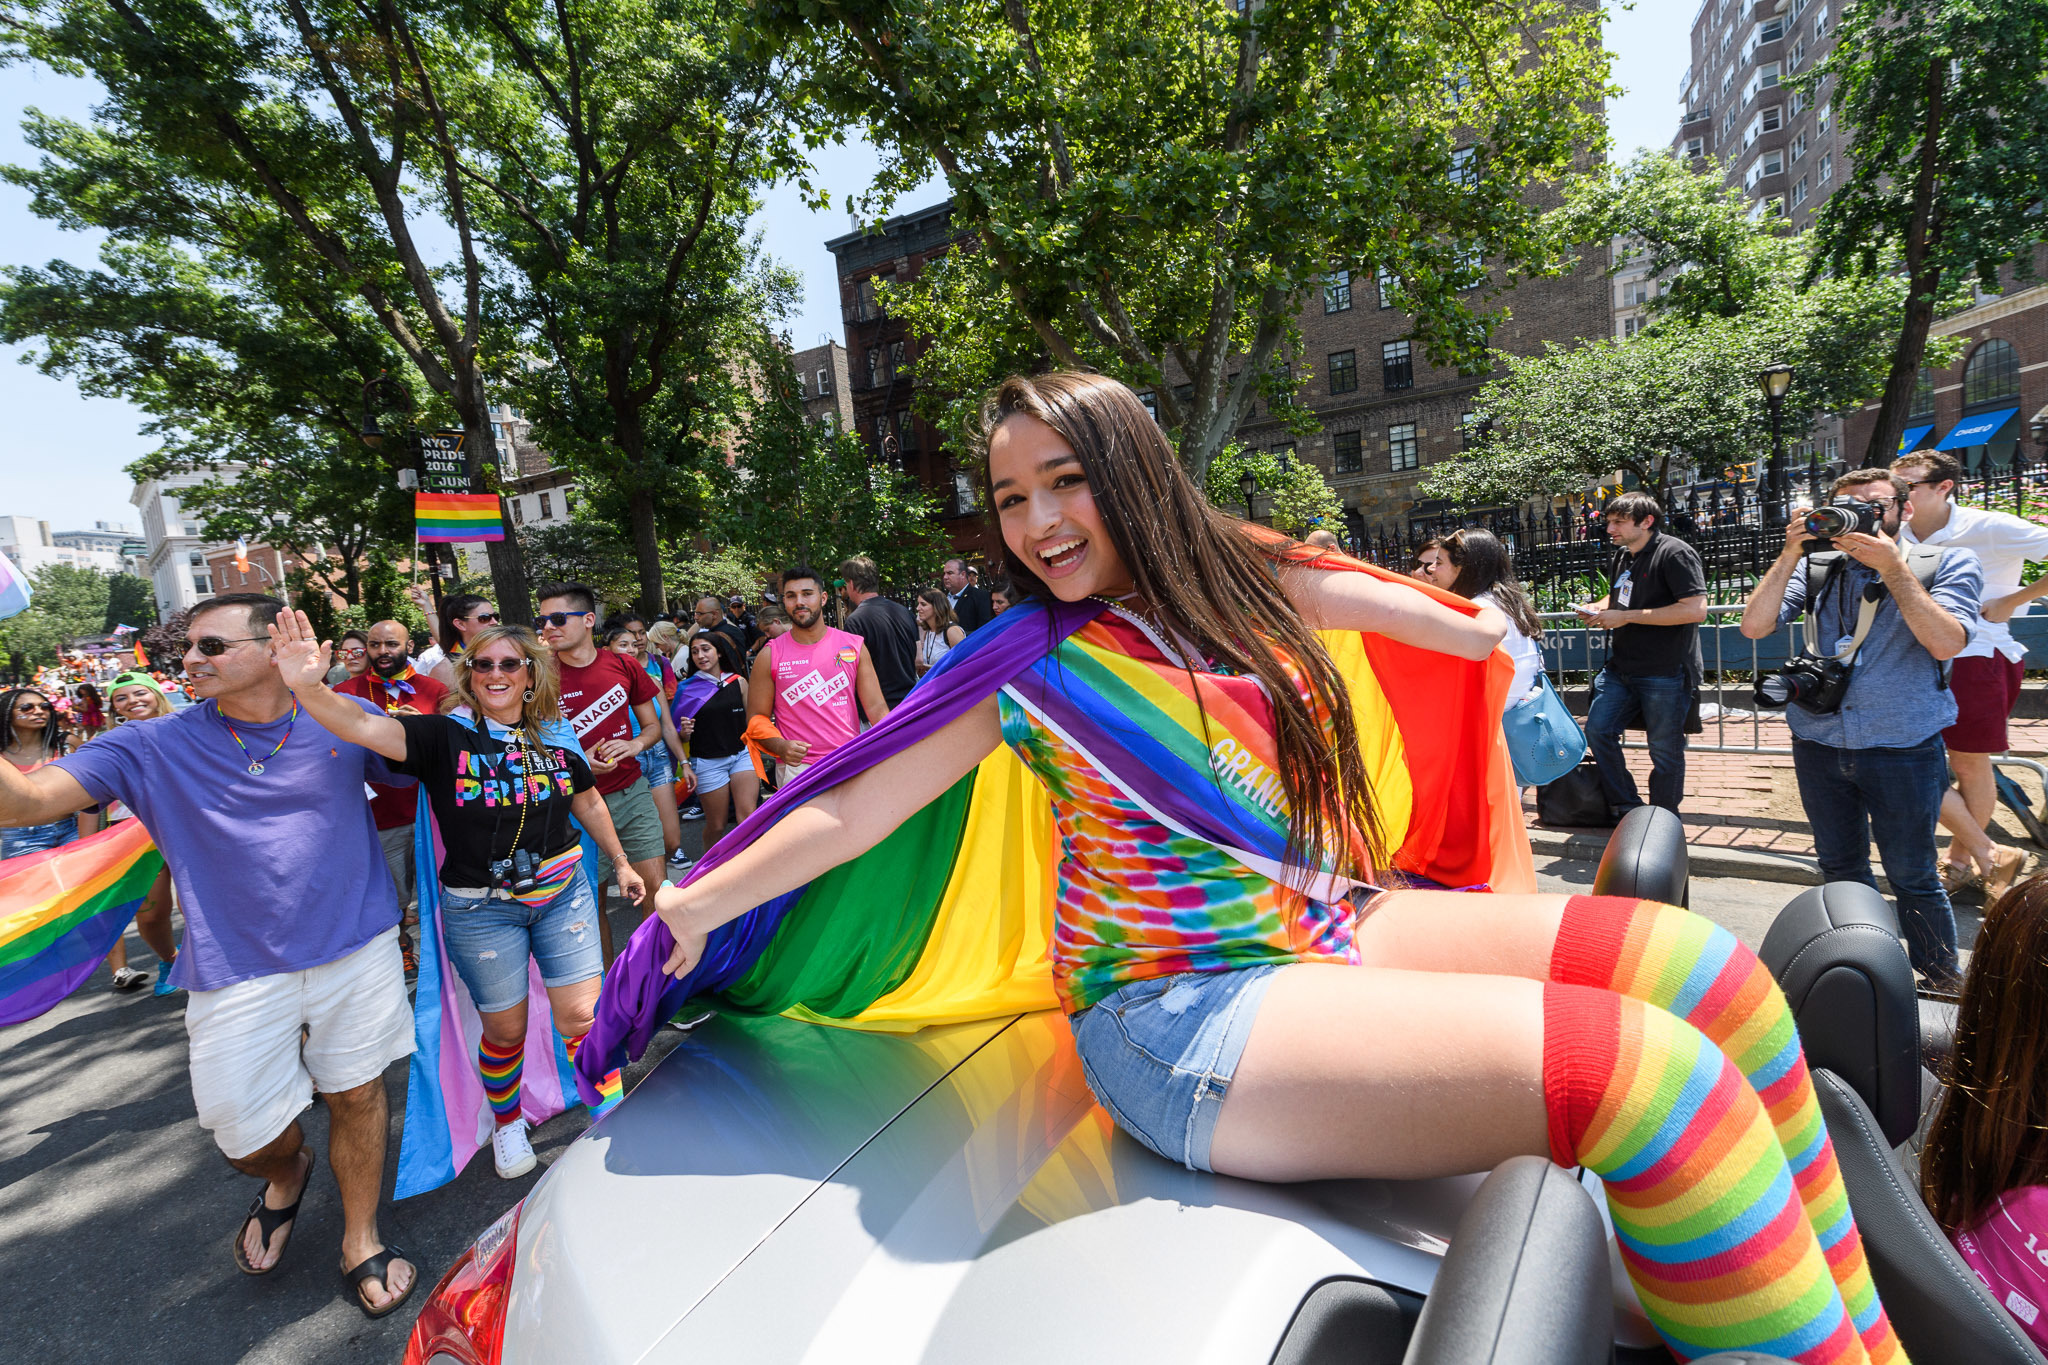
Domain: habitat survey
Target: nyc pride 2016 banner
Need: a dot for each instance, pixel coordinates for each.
(62, 910)
(450, 518)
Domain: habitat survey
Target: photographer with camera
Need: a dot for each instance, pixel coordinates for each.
(503, 773)
(1986, 676)
(1868, 705)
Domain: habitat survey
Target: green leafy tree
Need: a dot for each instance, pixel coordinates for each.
(1680, 395)
(586, 550)
(1295, 490)
(1155, 190)
(131, 601)
(1946, 107)
(796, 491)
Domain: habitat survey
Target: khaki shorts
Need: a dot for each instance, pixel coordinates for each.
(639, 827)
(261, 1047)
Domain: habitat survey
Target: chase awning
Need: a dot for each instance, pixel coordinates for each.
(1911, 438)
(1975, 431)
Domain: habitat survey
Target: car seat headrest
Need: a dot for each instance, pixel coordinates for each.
(1835, 951)
(1645, 857)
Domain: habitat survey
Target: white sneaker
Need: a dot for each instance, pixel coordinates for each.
(511, 1150)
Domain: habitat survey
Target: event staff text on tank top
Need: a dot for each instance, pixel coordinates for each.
(806, 683)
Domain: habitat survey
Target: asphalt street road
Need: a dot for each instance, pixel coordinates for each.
(116, 1210)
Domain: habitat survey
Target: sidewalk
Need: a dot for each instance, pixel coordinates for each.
(1746, 804)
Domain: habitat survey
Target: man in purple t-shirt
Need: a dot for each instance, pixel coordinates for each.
(292, 990)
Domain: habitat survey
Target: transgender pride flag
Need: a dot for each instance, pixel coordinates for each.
(13, 589)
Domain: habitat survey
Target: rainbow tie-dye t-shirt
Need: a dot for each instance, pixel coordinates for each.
(1138, 900)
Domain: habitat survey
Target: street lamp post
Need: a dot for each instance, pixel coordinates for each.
(1248, 484)
(1776, 382)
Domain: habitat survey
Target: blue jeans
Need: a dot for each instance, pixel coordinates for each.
(1659, 704)
(1853, 796)
(490, 938)
(38, 838)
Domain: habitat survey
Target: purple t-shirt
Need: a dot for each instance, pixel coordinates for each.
(277, 871)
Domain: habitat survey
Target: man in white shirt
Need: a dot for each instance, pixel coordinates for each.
(1985, 677)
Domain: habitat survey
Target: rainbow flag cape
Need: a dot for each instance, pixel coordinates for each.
(949, 917)
(62, 910)
(447, 1115)
(691, 694)
(446, 518)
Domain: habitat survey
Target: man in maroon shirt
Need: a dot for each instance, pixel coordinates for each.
(391, 682)
(601, 689)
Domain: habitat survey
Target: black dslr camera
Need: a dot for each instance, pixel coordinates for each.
(1839, 518)
(1809, 682)
(516, 873)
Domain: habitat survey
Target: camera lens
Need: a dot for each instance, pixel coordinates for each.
(1828, 522)
(1776, 689)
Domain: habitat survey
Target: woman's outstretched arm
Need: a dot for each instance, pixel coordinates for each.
(825, 831)
(1331, 600)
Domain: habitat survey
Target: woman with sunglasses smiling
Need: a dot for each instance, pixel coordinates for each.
(30, 736)
(503, 772)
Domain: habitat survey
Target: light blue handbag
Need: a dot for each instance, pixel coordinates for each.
(1543, 739)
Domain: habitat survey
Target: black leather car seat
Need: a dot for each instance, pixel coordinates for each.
(1645, 857)
(1835, 951)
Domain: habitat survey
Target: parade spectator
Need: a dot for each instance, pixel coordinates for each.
(999, 597)
(31, 737)
(134, 697)
(505, 898)
(774, 621)
(885, 626)
(1654, 609)
(937, 631)
(1424, 558)
(1475, 565)
(660, 763)
(91, 711)
(736, 614)
(351, 657)
(710, 615)
(389, 682)
(805, 682)
(969, 602)
(1872, 767)
(664, 639)
(466, 614)
(726, 781)
(252, 803)
(1986, 676)
(599, 691)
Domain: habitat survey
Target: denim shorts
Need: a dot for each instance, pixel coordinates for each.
(659, 765)
(38, 838)
(489, 939)
(714, 773)
(1159, 1054)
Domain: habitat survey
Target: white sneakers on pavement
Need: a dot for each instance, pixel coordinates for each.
(511, 1150)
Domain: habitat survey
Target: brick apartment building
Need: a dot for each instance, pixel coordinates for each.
(825, 379)
(1787, 151)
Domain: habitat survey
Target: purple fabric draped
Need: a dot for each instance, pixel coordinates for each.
(638, 995)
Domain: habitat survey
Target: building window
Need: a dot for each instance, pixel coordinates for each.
(1827, 167)
(1346, 454)
(824, 383)
(1343, 372)
(202, 585)
(1401, 448)
(1799, 145)
(1820, 24)
(1151, 401)
(1397, 365)
(1389, 282)
(568, 504)
(1470, 426)
(192, 528)
(1799, 192)
(547, 509)
(1798, 100)
(874, 366)
(1834, 449)
(864, 306)
(1635, 293)
(1825, 119)
(518, 511)
(1631, 325)
(1728, 119)
(1695, 148)
(1463, 172)
(1797, 57)
(895, 359)
(906, 430)
(1923, 394)
(1337, 292)
(497, 431)
(829, 421)
(196, 560)
(1992, 376)
(1285, 453)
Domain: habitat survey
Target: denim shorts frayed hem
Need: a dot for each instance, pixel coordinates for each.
(1159, 1054)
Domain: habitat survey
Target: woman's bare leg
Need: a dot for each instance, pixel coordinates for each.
(1456, 931)
(717, 814)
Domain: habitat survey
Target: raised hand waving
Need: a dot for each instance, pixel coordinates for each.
(302, 659)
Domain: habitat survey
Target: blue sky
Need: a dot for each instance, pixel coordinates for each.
(63, 453)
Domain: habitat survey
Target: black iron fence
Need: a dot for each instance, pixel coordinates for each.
(1562, 554)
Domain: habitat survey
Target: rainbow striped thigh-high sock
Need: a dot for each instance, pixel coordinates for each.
(1684, 963)
(609, 1090)
(1711, 1228)
(501, 1068)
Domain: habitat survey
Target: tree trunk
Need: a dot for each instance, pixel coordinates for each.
(1923, 275)
(646, 551)
(509, 588)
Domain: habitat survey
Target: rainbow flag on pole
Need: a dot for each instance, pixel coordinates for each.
(448, 518)
(62, 910)
(14, 593)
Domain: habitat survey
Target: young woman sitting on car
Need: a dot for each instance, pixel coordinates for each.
(1289, 1018)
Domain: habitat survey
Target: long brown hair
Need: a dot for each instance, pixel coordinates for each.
(1483, 565)
(1207, 580)
(1990, 1134)
(541, 676)
(943, 619)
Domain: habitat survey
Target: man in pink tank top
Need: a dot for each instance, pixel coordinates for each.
(806, 682)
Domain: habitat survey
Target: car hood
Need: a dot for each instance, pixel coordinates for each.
(784, 1191)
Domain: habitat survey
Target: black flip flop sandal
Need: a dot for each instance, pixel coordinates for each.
(269, 1220)
(374, 1268)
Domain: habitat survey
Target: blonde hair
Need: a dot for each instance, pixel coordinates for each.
(163, 704)
(541, 677)
(664, 636)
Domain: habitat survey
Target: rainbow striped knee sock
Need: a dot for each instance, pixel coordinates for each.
(1709, 1221)
(1684, 963)
(501, 1068)
(609, 1090)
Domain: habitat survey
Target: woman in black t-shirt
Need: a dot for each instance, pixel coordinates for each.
(726, 781)
(503, 772)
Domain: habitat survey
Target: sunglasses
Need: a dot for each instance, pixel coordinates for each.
(353, 653)
(213, 646)
(496, 665)
(32, 706)
(558, 619)
(485, 618)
